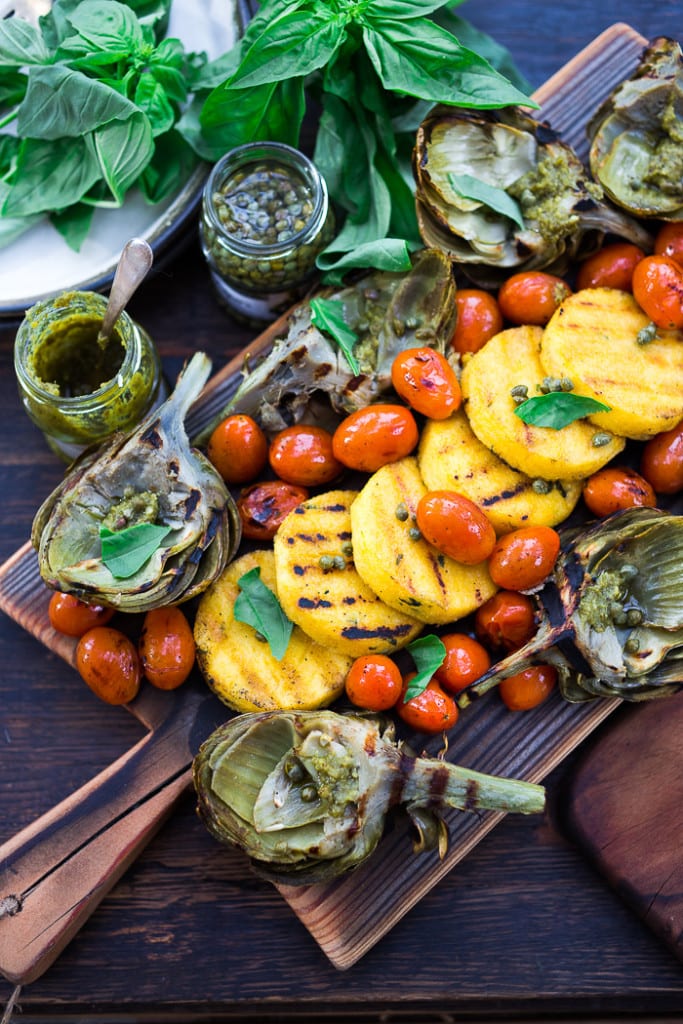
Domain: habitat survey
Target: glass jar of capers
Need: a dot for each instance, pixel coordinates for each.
(265, 218)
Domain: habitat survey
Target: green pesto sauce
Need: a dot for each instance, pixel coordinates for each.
(595, 607)
(135, 507)
(70, 362)
(543, 194)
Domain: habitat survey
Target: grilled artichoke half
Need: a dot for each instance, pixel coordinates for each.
(611, 616)
(637, 136)
(499, 191)
(154, 475)
(388, 312)
(305, 794)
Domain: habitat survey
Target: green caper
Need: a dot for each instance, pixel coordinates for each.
(600, 439)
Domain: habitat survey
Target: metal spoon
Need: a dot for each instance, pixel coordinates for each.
(131, 270)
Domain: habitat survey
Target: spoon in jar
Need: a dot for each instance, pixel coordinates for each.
(132, 268)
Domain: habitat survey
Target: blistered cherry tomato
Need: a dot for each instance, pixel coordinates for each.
(424, 379)
(303, 455)
(610, 267)
(166, 647)
(454, 525)
(478, 319)
(615, 488)
(658, 290)
(662, 461)
(669, 241)
(374, 682)
(506, 621)
(108, 662)
(466, 659)
(531, 297)
(433, 710)
(523, 558)
(528, 688)
(238, 448)
(72, 617)
(375, 436)
(263, 506)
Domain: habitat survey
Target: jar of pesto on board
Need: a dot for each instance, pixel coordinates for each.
(265, 218)
(77, 389)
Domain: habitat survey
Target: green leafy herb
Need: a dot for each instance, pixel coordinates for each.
(496, 198)
(558, 409)
(126, 551)
(428, 653)
(328, 315)
(257, 606)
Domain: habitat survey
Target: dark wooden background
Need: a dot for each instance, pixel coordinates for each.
(524, 928)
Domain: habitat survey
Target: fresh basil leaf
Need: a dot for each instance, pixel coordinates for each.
(126, 551)
(256, 605)
(469, 187)
(480, 42)
(295, 44)
(50, 175)
(328, 315)
(558, 409)
(428, 653)
(151, 98)
(170, 167)
(392, 254)
(60, 103)
(230, 117)
(108, 25)
(123, 149)
(406, 9)
(21, 44)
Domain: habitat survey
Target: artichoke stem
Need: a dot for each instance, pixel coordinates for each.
(435, 784)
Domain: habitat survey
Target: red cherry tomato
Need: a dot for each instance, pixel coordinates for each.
(531, 297)
(506, 621)
(615, 488)
(610, 267)
(166, 647)
(478, 319)
(72, 617)
(662, 461)
(424, 379)
(375, 436)
(658, 290)
(454, 525)
(108, 662)
(466, 660)
(523, 558)
(433, 710)
(303, 455)
(262, 507)
(374, 682)
(669, 241)
(238, 448)
(528, 688)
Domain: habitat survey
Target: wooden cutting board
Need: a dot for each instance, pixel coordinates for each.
(626, 811)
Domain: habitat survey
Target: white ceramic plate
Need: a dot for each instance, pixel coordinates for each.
(40, 263)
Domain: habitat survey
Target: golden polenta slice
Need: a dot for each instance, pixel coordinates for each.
(237, 664)
(592, 339)
(509, 359)
(403, 569)
(451, 458)
(320, 589)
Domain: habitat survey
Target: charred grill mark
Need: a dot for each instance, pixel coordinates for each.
(152, 437)
(406, 767)
(438, 783)
(392, 634)
(472, 797)
(191, 502)
(511, 492)
(309, 603)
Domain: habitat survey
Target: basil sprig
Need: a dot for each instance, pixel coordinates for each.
(125, 551)
(257, 606)
(373, 68)
(428, 653)
(558, 409)
(328, 315)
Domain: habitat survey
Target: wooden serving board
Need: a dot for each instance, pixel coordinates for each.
(625, 812)
(346, 917)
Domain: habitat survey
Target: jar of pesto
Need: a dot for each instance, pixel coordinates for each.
(265, 218)
(77, 389)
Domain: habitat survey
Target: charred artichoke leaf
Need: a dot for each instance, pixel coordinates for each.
(636, 136)
(611, 614)
(563, 212)
(306, 794)
(153, 475)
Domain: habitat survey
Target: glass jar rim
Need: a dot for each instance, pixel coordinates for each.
(125, 328)
(249, 153)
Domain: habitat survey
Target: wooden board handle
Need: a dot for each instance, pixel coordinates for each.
(55, 872)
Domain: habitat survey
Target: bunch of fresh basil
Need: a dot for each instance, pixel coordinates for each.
(92, 95)
(372, 68)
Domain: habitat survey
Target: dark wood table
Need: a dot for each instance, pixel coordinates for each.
(523, 928)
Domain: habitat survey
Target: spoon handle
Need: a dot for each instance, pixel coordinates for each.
(133, 266)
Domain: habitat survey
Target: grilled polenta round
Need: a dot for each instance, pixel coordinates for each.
(320, 589)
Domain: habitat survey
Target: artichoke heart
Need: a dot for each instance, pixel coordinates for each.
(305, 794)
(150, 475)
(636, 136)
(611, 614)
(499, 191)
